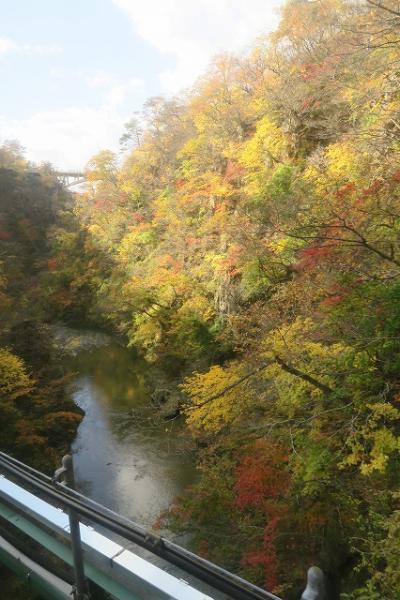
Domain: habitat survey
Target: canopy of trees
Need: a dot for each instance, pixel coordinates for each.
(37, 419)
(252, 234)
(250, 243)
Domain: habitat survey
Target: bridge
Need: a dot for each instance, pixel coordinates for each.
(70, 178)
(101, 550)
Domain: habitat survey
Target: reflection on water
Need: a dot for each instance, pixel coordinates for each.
(123, 458)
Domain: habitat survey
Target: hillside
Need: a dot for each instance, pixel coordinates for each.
(248, 244)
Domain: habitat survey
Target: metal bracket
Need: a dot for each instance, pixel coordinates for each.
(315, 589)
(63, 473)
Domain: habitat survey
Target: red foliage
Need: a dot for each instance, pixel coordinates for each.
(396, 176)
(169, 262)
(103, 204)
(137, 217)
(160, 521)
(262, 481)
(266, 556)
(191, 241)
(52, 264)
(359, 202)
(309, 257)
(177, 266)
(312, 71)
(229, 264)
(166, 261)
(5, 235)
(179, 183)
(332, 300)
(233, 172)
(308, 103)
(261, 476)
(339, 292)
(234, 272)
(375, 187)
(346, 190)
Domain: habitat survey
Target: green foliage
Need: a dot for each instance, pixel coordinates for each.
(255, 281)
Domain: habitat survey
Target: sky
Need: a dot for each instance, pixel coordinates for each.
(74, 71)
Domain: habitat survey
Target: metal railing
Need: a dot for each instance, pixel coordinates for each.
(101, 559)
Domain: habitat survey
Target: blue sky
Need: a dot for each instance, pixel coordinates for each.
(73, 71)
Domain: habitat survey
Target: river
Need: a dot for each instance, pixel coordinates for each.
(124, 457)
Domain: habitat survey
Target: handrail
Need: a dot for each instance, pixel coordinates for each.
(42, 580)
(219, 578)
(110, 564)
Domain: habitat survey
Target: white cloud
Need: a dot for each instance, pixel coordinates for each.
(67, 138)
(8, 46)
(40, 49)
(99, 79)
(120, 92)
(117, 90)
(192, 31)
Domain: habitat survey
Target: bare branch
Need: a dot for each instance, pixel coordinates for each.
(378, 4)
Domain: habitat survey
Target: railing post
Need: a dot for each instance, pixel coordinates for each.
(65, 475)
(316, 589)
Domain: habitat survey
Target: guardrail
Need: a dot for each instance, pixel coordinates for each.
(51, 513)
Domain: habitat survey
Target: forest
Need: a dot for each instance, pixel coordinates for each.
(246, 240)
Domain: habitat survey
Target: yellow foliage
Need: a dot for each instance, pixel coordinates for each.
(267, 146)
(14, 380)
(372, 444)
(147, 335)
(384, 443)
(199, 305)
(212, 417)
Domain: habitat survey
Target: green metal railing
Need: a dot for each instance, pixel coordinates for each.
(27, 501)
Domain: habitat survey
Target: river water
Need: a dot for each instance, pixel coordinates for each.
(124, 457)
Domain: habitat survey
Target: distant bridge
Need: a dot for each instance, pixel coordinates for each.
(70, 178)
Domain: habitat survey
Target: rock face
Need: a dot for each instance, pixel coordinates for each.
(167, 401)
(160, 396)
(227, 297)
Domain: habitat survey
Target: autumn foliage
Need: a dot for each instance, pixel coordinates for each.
(252, 244)
(249, 245)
